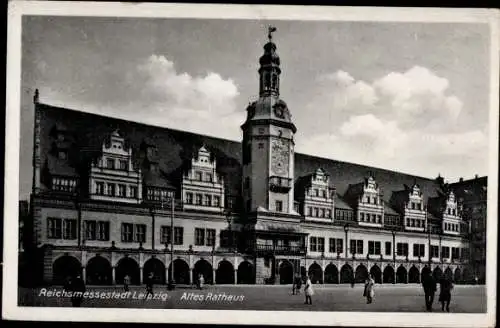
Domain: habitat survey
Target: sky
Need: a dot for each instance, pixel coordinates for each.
(409, 97)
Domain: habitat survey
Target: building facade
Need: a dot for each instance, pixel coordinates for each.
(113, 198)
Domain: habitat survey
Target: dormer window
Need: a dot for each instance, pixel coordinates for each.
(198, 176)
(123, 164)
(110, 164)
(209, 177)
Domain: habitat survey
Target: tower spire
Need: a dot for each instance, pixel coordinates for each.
(269, 70)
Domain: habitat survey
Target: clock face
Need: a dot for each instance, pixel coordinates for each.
(280, 156)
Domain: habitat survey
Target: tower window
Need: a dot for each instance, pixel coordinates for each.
(279, 206)
(261, 145)
(110, 163)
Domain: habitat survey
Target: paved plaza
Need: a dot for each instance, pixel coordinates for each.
(388, 298)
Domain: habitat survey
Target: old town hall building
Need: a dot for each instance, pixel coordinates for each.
(112, 198)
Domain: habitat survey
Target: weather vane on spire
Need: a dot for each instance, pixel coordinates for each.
(271, 29)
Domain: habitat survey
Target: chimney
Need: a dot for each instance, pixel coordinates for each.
(476, 176)
(461, 179)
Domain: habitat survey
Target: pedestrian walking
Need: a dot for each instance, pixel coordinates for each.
(297, 284)
(201, 281)
(369, 291)
(78, 288)
(429, 285)
(352, 281)
(446, 285)
(126, 282)
(308, 291)
(149, 285)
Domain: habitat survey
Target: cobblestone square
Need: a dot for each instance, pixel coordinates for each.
(397, 298)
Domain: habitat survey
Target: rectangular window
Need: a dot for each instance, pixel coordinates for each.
(110, 163)
(198, 176)
(103, 230)
(412, 205)
(419, 206)
(133, 192)
(140, 233)
(402, 249)
(127, 232)
(54, 228)
(90, 230)
(388, 248)
(279, 206)
(374, 247)
(199, 236)
(359, 246)
(216, 201)
(445, 252)
(207, 200)
(309, 211)
(353, 246)
(210, 237)
(371, 247)
(418, 250)
(322, 212)
(321, 244)
(165, 235)
(123, 164)
(362, 216)
(178, 235)
(111, 189)
(455, 253)
(99, 188)
(316, 212)
(434, 251)
(328, 213)
(189, 198)
(69, 229)
(332, 243)
(198, 199)
(122, 190)
(313, 244)
(340, 245)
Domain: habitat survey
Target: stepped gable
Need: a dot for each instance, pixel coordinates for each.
(175, 147)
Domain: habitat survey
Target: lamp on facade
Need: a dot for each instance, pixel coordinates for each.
(228, 213)
(346, 229)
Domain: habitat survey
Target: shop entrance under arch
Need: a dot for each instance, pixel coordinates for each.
(331, 274)
(65, 267)
(98, 271)
(316, 273)
(388, 276)
(202, 267)
(181, 272)
(286, 272)
(224, 273)
(127, 266)
(155, 266)
(246, 273)
(346, 274)
(376, 274)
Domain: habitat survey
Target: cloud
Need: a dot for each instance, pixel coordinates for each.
(154, 92)
(402, 121)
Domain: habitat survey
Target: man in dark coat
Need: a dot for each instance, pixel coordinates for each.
(149, 285)
(446, 285)
(78, 288)
(429, 284)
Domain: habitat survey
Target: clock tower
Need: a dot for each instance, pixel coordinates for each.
(268, 146)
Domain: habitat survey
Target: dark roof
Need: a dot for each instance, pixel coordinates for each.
(175, 147)
(340, 203)
(57, 166)
(388, 210)
(470, 190)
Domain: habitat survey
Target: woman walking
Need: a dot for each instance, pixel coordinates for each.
(369, 292)
(446, 285)
(308, 291)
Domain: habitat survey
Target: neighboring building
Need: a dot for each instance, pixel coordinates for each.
(471, 198)
(250, 212)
